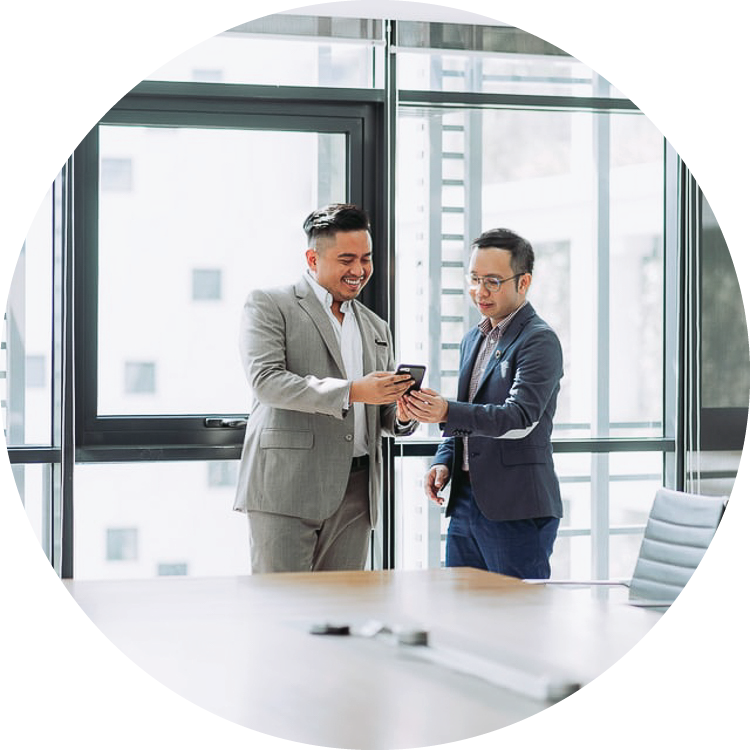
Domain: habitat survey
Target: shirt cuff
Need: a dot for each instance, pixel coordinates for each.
(404, 425)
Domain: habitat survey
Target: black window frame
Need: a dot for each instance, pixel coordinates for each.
(358, 114)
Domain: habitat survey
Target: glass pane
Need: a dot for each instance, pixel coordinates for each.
(34, 485)
(26, 352)
(420, 523)
(725, 374)
(444, 57)
(149, 519)
(462, 172)
(625, 483)
(248, 58)
(608, 497)
(714, 472)
(183, 240)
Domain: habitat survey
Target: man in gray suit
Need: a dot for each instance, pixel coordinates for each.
(320, 365)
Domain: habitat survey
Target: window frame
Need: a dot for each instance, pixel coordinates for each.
(355, 113)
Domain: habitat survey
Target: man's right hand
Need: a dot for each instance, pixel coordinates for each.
(434, 481)
(379, 388)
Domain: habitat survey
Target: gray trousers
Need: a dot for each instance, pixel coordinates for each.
(280, 544)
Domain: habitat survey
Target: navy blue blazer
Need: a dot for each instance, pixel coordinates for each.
(509, 423)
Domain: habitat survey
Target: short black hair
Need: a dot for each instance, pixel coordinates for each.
(521, 252)
(333, 218)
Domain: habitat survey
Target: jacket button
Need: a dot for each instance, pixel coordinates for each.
(349, 438)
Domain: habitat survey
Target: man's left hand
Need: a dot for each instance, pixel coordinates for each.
(425, 405)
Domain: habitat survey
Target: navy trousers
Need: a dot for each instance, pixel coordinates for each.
(514, 548)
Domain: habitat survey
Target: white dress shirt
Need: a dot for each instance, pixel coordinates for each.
(350, 343)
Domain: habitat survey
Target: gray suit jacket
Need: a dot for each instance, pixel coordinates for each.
(297, 453)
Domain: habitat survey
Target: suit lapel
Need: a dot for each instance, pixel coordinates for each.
(515, 328)
(467, 366)
(310, 304)
(511, 334)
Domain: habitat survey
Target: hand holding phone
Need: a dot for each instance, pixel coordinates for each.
(417, 374)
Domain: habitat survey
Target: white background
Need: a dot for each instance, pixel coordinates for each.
(64, 64)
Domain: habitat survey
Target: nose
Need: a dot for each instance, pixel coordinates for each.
(358, 269)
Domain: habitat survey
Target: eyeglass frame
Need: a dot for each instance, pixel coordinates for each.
(483, 281)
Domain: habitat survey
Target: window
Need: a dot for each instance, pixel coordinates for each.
(31, 363)
(222, 474)
(208, 75)
(154, 513)
(36, 371)
(140, 377)
(35, 483)
(206, 284)
(26, 335)
(214, 193)
(610, 242)
(172, 569)
(489, 59)
(122, 544)
(586, 186)
(287, 50)
(720, 381)
(117, 174)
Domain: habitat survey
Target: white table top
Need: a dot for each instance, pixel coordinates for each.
(241, 647)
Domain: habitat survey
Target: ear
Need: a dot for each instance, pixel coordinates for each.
(312, 259)
(524, 282)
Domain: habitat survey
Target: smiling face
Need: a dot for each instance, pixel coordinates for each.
(494, 261)
(342, 264)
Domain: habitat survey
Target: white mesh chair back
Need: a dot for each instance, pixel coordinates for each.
(678, 531)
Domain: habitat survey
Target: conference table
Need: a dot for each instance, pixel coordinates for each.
(431, 656)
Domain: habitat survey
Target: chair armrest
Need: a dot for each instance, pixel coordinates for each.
(656, 604)
(569, 582)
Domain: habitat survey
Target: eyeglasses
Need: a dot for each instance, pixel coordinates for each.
(490, 283)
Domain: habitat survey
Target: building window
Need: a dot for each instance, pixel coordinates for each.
(140, 377)
(222, 473)
(172, 569)
(206, 284)
(36, 369)
(122, 544)
(208, 75)
(116, 174)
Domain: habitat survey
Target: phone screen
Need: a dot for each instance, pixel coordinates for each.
(417, 373)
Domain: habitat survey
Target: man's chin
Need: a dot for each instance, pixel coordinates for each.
(352, 292)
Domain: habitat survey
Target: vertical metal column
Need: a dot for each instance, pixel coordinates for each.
(672, 340)
(63, 353)
(388, 517)
(601, 418)
(690, 246)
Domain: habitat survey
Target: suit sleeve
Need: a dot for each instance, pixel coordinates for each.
(445, 453)
(538, 369)
(263, 342)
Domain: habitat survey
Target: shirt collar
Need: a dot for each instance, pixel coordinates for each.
(485, 325)
(323, 295)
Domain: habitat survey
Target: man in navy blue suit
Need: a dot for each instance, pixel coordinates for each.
(504, 501)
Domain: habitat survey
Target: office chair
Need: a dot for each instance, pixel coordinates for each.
(679, 529)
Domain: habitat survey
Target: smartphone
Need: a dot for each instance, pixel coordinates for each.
(416, 372)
